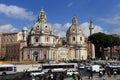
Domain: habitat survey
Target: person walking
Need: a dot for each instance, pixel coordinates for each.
(115, 72)
(80, 76)
(100, 73)
(109, 72)
(51, 76)
(105, 76)
(91, 75)
(33, 77)
(73, 76)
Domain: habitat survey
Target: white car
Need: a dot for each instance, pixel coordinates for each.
(97, 68)
(70, 72)
(36, 73)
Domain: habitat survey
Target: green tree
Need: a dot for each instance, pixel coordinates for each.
(101, 40)
(98, 39)
(113, 41)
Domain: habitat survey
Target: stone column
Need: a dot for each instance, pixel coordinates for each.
(91, 27)
(92, 51)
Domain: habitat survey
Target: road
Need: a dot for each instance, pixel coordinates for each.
(95, 77)
(84, 77)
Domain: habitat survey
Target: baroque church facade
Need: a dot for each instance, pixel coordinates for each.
(44, 46)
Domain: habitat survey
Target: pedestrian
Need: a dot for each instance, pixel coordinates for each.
(40, 77)
(73, 75)
(109, 72)
(33, 77)
(105, 76)
(55, 75)
(78, 77)
(51, 76)
(91, 74)
(114, 72)
(100, 73)
(16, 78)
(58, 76)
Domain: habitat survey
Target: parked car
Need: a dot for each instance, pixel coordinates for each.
(70, 72)
(97, 68)
(36, 73)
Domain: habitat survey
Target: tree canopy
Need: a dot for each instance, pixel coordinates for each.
(104, 40)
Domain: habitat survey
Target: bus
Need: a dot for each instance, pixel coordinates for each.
(7, 69)
(59, 67)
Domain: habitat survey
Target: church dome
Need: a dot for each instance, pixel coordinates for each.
(42, 26)
(74, 28)
(74, 35)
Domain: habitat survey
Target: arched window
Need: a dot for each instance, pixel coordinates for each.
(36, 39)
(37, 27)
(80, 38)
(73, 38)
(47, 39)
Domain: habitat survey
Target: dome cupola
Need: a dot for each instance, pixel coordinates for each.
(42, 16)
(74, 21)
(74, 34)
(74, 28)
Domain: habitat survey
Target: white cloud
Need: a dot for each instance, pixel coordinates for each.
(70, 4)
(85, 28)
(86, 31)
(67, 25)
(8, 28)
(116, 31)
(60, 29)
(16, 12)
(118, 5)
(112, 20)
(62, 34)
(56, 27)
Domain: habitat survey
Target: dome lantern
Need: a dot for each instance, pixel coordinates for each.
(74, 21)
(42, 16)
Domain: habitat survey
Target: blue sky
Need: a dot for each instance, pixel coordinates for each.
(16, 14)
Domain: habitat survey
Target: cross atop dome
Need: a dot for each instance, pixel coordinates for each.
(42, 16)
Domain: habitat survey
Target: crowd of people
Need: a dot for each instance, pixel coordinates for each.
(51, 76)
(58, 76)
